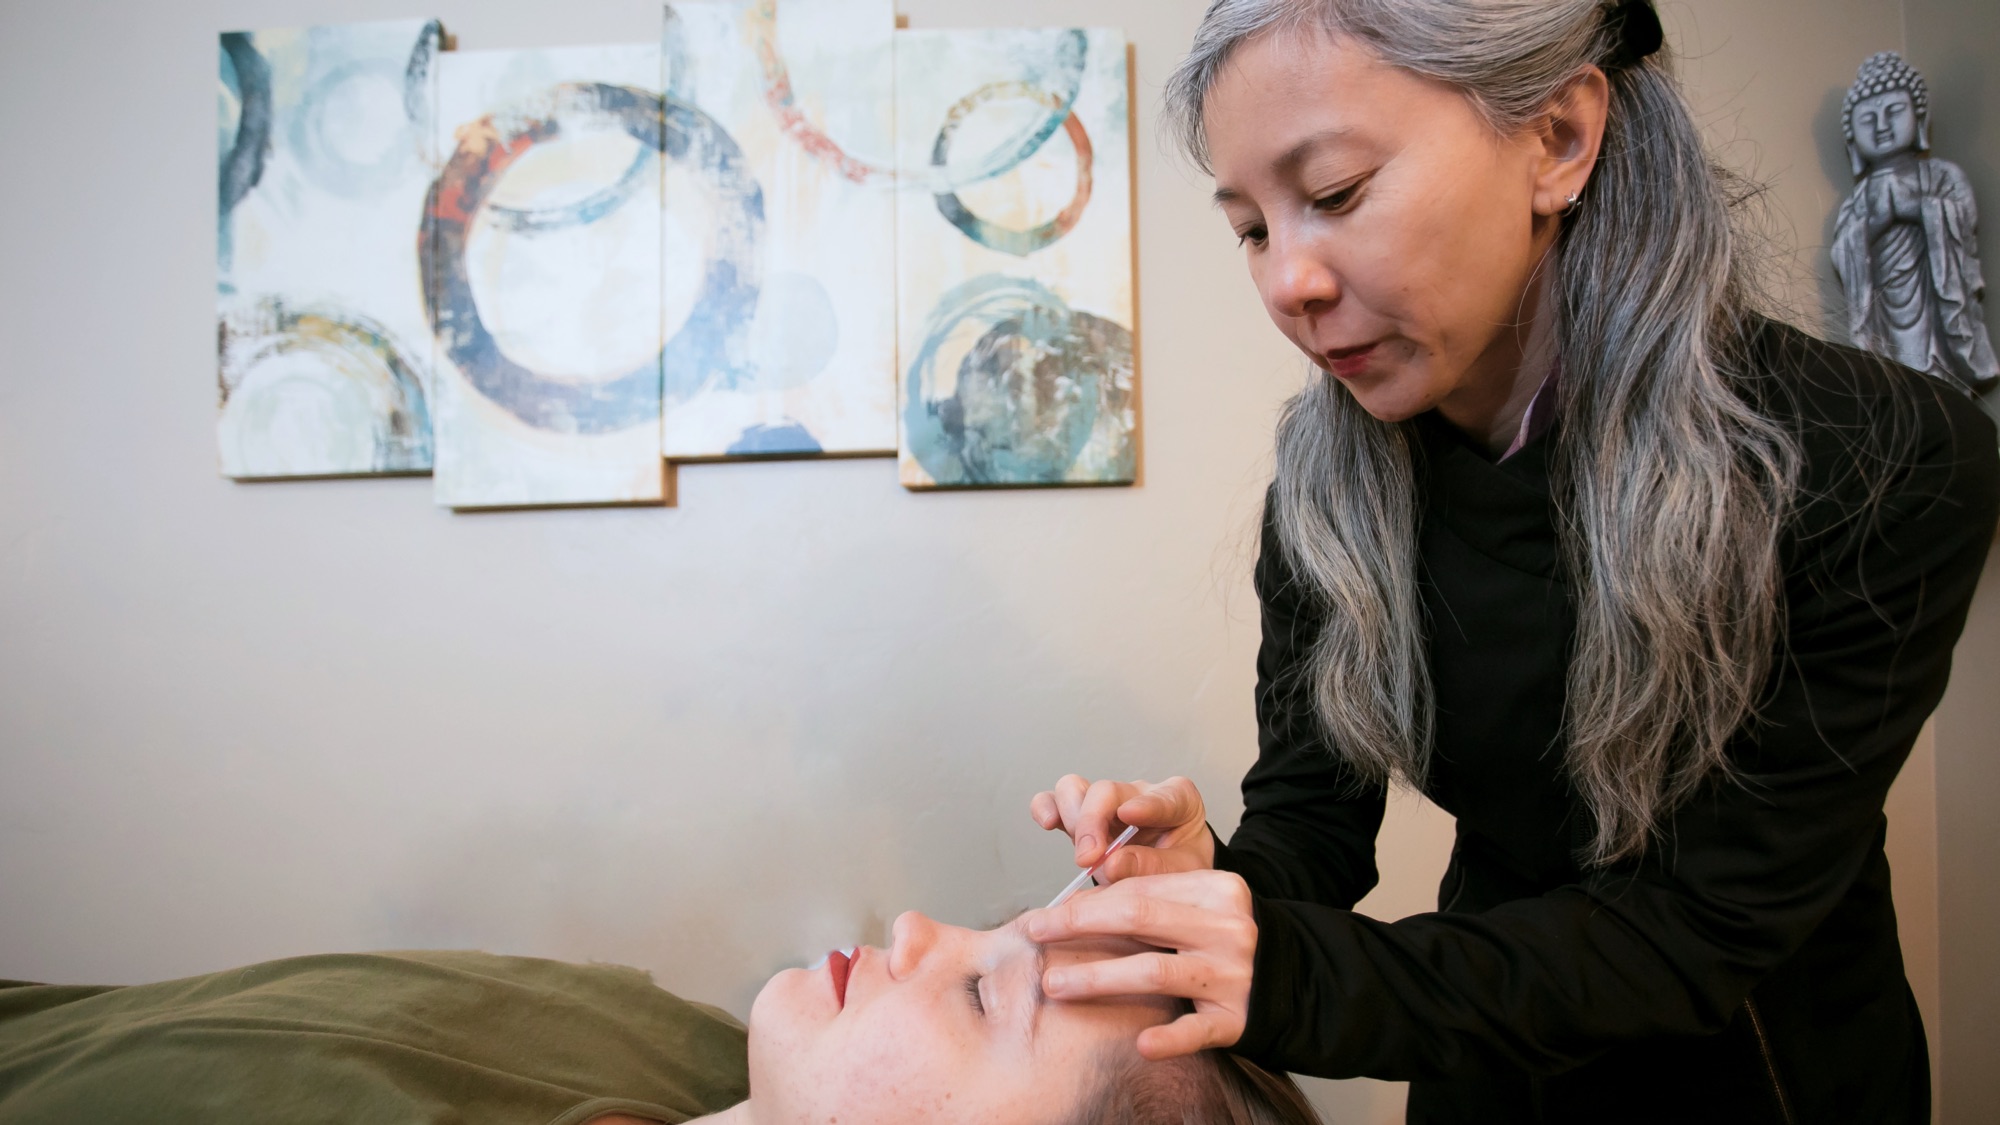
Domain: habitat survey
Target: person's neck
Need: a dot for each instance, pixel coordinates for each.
(1495, 398)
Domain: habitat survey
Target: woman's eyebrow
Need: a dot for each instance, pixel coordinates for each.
(1287, 164)
(1299, 153)
(1041, 998)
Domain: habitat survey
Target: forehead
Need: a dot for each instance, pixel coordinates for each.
(1886, 97)
(1285, 88)
(1308, 68)
(1014, 945)
(1010, 938)
(1092, 949)
(1122, 1014)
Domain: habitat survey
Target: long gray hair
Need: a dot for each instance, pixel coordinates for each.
(1672, 487)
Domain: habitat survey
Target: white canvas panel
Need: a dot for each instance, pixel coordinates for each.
(779, 249)
(543, 274)
(325, 152)
(1014, 265)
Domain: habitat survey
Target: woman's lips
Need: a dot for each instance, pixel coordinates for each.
(1346, 363)
(838, 964)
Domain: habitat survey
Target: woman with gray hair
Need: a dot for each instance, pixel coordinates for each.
(1651, 592)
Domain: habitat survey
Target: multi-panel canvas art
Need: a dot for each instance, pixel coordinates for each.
(783, 229)
(1014, 278)
(324, 355)
(542, 276)
(780, 248)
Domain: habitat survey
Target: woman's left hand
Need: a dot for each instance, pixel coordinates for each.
(1203, 917)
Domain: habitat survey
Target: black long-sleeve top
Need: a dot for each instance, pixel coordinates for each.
(1746, 968)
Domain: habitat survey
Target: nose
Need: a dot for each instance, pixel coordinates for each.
(911, 938)
(1298, 282)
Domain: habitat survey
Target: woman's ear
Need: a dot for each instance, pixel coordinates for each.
(1568, 140)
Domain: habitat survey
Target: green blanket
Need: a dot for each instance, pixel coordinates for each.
(378, 1039)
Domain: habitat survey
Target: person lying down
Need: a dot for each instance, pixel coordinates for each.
(946, 1025)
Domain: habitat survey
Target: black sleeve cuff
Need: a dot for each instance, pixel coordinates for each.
(1274, 987)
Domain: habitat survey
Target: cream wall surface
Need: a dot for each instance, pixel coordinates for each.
(242, 722)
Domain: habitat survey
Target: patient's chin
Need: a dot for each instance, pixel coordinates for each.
(790, 1002)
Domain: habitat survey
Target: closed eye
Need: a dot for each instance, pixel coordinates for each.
(972, 993)
(1333, 203)
(1337, 202)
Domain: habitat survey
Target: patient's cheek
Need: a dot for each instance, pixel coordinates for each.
(894, 1066)
(893, 1079)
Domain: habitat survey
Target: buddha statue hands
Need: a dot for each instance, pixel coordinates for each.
(1905, 246)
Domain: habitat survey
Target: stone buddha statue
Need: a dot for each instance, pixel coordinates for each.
(1905, 245)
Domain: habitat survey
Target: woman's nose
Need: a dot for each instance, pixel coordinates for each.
(1298, 282)
(910, 940)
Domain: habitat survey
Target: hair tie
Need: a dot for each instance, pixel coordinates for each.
(1635, 33)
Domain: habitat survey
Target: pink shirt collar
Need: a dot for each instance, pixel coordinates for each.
(1541, 412)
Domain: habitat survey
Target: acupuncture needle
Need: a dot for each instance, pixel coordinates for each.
(1083, 880)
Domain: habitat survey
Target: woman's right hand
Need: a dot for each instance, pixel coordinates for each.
(1172, 822)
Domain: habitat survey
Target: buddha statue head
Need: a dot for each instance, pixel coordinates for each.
(1887, 112)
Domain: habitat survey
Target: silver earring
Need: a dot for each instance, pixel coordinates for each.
(1570, 205)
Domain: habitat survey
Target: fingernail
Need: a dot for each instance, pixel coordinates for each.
(1084, 845)
(1037, 926)
(1055, 981)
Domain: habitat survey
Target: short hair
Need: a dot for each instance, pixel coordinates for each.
(1206, 1088)
(1885, 71)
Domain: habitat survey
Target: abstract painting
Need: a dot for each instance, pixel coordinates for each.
(1014, 259)
(541, 268)
(325, 152)
(804, 363)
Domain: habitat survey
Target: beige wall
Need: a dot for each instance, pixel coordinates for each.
(244, 722)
